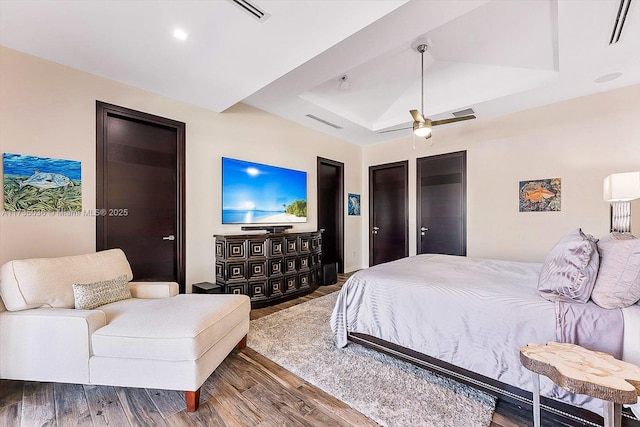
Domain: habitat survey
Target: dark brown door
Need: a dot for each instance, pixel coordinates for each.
(388, 212)
(331, 210)
(442, 204)
(140, 191)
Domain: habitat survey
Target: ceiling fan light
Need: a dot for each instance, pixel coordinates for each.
(421, 129)
(422, 132)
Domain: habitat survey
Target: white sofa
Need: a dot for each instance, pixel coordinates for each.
(157, 339)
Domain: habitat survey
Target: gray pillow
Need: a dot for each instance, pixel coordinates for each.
(88, 296)
(618, 282)
(570, 269)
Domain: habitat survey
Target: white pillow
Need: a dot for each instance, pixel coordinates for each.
(570, 269)
(618, 282)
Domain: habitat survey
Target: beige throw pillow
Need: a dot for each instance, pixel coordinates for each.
(570, 269)
(618, 282)
(88, 296)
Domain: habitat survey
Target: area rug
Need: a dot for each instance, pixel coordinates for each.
(389, 391)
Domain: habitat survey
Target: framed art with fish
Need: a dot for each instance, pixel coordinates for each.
(41, 184)
(540, 195)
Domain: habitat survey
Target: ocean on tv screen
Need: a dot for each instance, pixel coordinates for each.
(238, 216)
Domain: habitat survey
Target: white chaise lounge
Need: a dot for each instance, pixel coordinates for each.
(156, 339)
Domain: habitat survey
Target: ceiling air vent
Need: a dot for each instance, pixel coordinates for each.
(333, 125)
(622, 16)
(462, 113)
(251, 9)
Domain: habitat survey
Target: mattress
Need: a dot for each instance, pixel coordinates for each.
(472, 313)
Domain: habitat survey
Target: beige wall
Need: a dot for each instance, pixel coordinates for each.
(49, 110)
(580, 141)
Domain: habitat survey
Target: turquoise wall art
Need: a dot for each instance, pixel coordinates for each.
(353, 204)
(42, 184)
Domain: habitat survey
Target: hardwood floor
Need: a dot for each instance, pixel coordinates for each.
(247, 389)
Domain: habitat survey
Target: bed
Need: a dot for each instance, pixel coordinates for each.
(470, 316)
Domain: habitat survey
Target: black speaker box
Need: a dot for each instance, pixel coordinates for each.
(330, 273)
(206, 288)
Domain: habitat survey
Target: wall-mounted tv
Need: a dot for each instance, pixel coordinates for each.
(253, 193)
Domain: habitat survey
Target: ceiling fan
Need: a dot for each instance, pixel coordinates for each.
(421, 124)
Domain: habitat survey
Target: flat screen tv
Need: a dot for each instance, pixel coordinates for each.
(253, 193)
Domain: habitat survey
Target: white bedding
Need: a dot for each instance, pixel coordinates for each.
(473, 313)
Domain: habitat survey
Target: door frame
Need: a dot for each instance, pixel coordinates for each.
(340, 166)
(103, 111)
(405, 165)
(419, 197)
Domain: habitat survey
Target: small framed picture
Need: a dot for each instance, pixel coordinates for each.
(540, 195)
(354, 204)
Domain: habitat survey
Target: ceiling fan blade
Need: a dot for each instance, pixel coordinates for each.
(453, 120)
(393, 130)
(417, 117)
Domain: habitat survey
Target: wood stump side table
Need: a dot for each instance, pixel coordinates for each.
(583, 371)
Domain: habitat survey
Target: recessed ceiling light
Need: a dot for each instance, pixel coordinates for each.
(607, 77)
(179, 34)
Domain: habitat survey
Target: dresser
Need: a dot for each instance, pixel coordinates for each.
(270, 268)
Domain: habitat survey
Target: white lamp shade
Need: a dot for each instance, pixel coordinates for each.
(621, 187)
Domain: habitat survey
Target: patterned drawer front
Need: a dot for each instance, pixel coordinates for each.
(275, 266)
(258, 289)
(303, 280)
(304, 244)
(220, 272)
(290, 265)
(316, 260)
(237, 288)
(276, 286)
(275, 246)
(291, 245)
(314, 277)
(219, 249)
(257, 269)
(256, 248)
(303, 262)
(235, 249)
(290, 283)
(236, 271)
(315, 243)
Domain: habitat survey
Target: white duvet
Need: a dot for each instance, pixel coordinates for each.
(473, 313)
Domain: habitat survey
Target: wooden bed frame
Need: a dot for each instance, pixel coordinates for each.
(561, 412)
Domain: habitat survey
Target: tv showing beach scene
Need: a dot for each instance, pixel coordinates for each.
(254, 193)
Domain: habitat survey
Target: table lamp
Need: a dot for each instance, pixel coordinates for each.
(619, 189)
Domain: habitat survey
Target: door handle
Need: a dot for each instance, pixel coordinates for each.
(170, 237)
(422, 230)
(374, 230)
